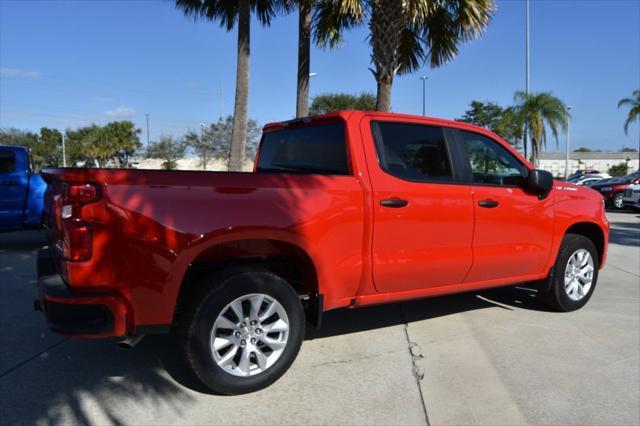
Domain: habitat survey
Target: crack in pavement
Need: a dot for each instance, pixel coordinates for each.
(621, 269)
(416, 353)
(28, 360)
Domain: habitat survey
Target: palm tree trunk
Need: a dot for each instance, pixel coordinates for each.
(239, 132)
(383, 99)
(304, 54)
(386, 27)
(535, 152)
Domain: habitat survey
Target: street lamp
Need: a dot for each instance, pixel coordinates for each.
(313, 74)
(424, 79)
(566, 160)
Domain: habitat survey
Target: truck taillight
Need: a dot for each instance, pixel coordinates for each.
(81, 193)
(76, 241)
(76, 236)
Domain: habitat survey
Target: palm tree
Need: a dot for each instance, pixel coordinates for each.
(403, 34)
(634, 112)
(539, 111)
(228, 13)
(304, 57)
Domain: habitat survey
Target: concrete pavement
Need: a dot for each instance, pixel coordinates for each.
(496, 357)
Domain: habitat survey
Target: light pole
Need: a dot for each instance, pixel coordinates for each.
(566, 161)
(64, 151)
(147, 115)
(424, 79)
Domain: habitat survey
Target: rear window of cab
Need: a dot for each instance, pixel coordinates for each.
(316, 149)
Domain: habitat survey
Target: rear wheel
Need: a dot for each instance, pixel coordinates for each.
(242, 330)
(574, 274)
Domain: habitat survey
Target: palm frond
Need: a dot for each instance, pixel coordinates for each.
(332, 17)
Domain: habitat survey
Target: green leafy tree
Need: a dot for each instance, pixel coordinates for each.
(214, 141)
(619, 169)
(627, 149)
(97, 146)
(228, 14)
(403, 34)
(75, 143)
(634, 110)
(582, 149)
(539, 111)
(505, 122)
(15, 137)
(49, 147)
(201, 146)
(124, 140)
(328, 102)
(168, 149)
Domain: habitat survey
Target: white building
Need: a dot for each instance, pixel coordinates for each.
(554, 162)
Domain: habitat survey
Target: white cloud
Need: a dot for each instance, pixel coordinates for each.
(121, 112)
(20, 73)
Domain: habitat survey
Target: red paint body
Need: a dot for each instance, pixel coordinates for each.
(148, 227)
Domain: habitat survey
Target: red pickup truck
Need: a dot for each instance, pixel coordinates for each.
(348, 209)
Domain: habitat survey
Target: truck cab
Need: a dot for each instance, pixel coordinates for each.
(21, 190)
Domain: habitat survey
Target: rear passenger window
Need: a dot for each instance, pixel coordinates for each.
(7, 161)
(413, 152)
(313, 149)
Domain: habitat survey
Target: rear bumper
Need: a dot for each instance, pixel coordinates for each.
(77, 313)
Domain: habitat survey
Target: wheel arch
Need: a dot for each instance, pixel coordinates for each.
(593, 232)
(281, 257)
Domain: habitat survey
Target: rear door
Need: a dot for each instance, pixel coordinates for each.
(422, 217)
(513, 227)
(13, 186)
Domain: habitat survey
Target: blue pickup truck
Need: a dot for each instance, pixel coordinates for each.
(21, 190)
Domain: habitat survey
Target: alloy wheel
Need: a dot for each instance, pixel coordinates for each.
(249, 335)
(578, 275)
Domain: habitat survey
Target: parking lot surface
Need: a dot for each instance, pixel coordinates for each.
(494, 357)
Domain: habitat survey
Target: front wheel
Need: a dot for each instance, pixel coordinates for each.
(574, 274)
(242, 331)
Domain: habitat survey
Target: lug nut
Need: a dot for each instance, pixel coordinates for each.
(237, 334)
(242, 324)
(243, 342)
(253, 322)
(253, 341)
(258, 330)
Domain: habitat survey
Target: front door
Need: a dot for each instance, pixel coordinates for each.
(513, 227)
(422, 219)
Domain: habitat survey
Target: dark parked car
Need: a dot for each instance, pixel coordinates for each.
(612, 190)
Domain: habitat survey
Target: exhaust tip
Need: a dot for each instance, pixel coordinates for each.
(130, 342)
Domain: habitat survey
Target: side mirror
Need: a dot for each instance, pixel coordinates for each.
(540, 181)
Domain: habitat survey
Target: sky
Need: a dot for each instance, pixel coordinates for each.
(71, 63)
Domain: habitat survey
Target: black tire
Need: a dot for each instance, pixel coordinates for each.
(616, 201)
(204, 305)
(556, 297)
